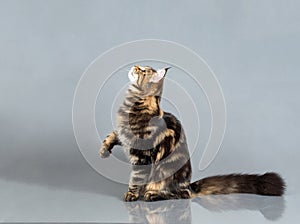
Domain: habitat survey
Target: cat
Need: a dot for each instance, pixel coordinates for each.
(157, 148)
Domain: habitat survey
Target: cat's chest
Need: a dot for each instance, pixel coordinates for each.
(139, 129)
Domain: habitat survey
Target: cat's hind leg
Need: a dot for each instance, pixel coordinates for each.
(166, 195)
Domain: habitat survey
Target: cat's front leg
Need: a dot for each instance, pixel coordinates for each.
(109, 142)
(138, 180)
(132, 194)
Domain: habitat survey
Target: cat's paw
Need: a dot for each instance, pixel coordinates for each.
(103, 152)
(185, 194)
(129, 196)
(153, 196)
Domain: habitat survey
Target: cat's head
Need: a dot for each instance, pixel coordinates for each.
(147, 80)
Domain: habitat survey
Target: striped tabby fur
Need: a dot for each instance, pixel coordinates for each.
(156, 145)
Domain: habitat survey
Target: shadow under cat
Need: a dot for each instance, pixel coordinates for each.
(179, 211)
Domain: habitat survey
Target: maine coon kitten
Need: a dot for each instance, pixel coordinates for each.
(156, 145)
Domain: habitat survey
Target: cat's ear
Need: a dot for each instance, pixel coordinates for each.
(132, 76)
(160, 73)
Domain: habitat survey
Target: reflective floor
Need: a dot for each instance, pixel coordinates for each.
(33, 203)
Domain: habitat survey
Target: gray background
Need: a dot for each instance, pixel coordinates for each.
(252, 46)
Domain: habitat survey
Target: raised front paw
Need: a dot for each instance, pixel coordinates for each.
(104, 152)
(129, 196)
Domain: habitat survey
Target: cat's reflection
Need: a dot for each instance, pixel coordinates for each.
(179, 211)
(160, 212)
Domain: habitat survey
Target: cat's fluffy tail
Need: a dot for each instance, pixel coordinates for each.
(266, 184)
